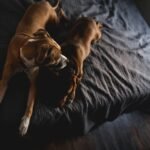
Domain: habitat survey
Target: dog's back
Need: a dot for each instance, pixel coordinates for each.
(85, 29)
(77, 47)
(36, 16)
(84, 32)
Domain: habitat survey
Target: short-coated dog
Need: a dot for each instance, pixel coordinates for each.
(76, 48)
(30, 48)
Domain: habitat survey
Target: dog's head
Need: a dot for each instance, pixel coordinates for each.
(42, 50)
(97, 26)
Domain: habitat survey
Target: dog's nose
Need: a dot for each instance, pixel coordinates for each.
(64, 58)
(60, 64)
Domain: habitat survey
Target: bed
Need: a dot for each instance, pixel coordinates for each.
(111, 108)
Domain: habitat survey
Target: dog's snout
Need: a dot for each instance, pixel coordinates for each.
(61, 63)
(64, 58)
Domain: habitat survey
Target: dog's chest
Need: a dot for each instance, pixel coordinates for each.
(31, 72)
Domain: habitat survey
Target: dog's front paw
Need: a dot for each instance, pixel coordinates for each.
(62, 102)
(66, 100)
(70, 99)
(24, 125)
(3, 89)
(1, 99)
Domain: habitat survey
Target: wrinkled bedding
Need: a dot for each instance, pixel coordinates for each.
(116, 74)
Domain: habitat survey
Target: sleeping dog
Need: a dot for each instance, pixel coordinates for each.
(30, 48)
(76, 48)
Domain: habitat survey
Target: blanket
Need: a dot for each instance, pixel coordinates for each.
(116, 74)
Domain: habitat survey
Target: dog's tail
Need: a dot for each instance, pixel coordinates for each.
(57, 5)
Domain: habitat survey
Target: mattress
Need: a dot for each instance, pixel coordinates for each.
(116, 76)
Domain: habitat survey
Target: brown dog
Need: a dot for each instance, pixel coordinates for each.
(30, 48)
(76, 48)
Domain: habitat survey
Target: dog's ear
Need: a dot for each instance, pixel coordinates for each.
(100, 26)
(42, 53)
(41, 33)
(62, 15)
